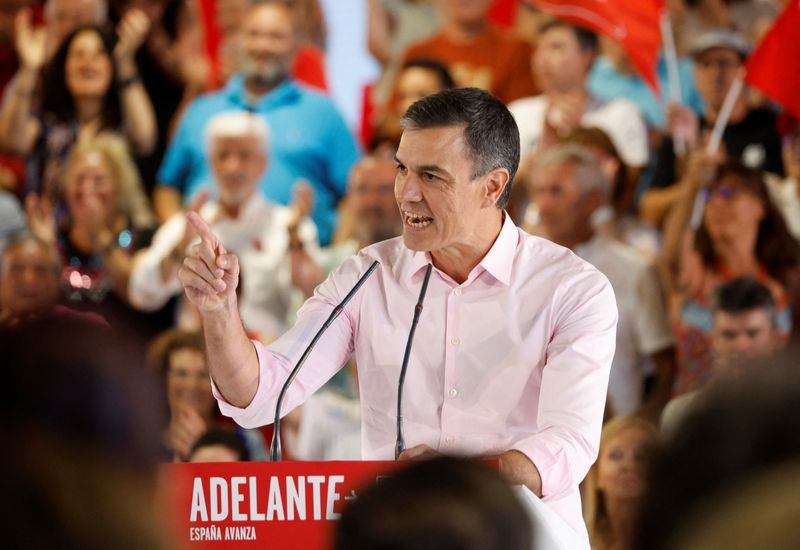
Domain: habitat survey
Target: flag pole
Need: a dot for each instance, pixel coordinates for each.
(673, 74)
(715, 140)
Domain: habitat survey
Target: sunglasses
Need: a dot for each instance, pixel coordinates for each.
(727, 192)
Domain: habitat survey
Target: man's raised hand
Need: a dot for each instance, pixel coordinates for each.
(210, 273)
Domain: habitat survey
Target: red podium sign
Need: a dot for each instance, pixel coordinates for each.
(285, 505)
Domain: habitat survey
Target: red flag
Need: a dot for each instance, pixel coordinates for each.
(774, 67)
(634, 24)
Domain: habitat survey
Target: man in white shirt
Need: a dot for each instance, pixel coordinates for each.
(561, 63)
(272, 241)
(568, 186)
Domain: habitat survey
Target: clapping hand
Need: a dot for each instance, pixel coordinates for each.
(30, 41)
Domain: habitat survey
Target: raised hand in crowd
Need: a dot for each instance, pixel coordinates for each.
(131, 33)
(17, 132)
(185, 428)
(30, 41)
(564, 113)
(41, 219)
(306, 272)
(683, 125)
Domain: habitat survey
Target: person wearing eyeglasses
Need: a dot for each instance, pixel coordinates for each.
(741, 234)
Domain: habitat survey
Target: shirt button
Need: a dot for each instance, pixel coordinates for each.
(453, 392)
(455, 341)
(457, 292)
(449, 439)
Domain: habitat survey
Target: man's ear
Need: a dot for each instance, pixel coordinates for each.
(593, 200)
(495, 183)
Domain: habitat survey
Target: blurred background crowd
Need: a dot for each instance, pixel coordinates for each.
(277, 122)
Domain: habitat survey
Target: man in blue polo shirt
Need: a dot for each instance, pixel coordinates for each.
(310, 139)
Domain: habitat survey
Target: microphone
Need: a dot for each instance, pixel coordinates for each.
(400, 445)
(275, 448)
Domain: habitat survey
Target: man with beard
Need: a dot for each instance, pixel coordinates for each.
(311, 141)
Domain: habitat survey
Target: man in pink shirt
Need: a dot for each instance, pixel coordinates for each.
(512, 353)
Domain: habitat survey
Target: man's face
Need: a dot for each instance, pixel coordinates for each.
(465, 12)
(743, 335)
(439, 201)
(563, 209)
(372, 202)
(188, 383)
(269, 44)
(238, 164)
(559, 63)
(29, 280)
(715, 70)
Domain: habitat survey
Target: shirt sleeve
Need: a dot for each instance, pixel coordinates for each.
(574, 383)
(147, 290)
(277, 360)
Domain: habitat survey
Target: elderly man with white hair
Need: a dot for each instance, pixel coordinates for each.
(568, 186)
(275, 243)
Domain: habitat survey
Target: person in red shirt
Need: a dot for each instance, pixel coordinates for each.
(477, 53)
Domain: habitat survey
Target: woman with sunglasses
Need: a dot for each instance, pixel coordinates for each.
(740, 233)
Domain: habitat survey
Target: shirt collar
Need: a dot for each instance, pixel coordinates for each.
(284, 92)
(498, 262)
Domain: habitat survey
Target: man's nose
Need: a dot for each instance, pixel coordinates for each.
(409, 189)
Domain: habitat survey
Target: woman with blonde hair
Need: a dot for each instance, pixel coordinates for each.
(107, 220)
(617, 482)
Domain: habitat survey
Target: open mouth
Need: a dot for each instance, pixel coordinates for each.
(417, 220)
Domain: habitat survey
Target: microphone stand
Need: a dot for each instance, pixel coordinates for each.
(400, 445)
(275, 448)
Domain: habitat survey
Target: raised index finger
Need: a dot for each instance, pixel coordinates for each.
(206, 235)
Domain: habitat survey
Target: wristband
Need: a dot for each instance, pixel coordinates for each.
(128, 82)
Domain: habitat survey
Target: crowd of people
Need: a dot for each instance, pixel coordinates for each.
(121, 120)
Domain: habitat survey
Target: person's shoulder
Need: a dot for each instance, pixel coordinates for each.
(618, 109)
(424, 46)
(215, 100)
(392, 257)
(552, 262)
(505, 39)
(761, 116)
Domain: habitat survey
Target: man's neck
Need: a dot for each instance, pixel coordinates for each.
(256, 89)
(463, 33)
(576, 238)
(459, 261)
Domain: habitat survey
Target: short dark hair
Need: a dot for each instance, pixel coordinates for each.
(444, 503)
(587, 40)
(227, 437)
(442, 72)
(741, 295)
(489, 128)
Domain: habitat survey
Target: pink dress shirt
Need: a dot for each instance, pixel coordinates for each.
(516, 357)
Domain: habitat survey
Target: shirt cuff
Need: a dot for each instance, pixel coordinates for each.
(552, 463)
(254, 415)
